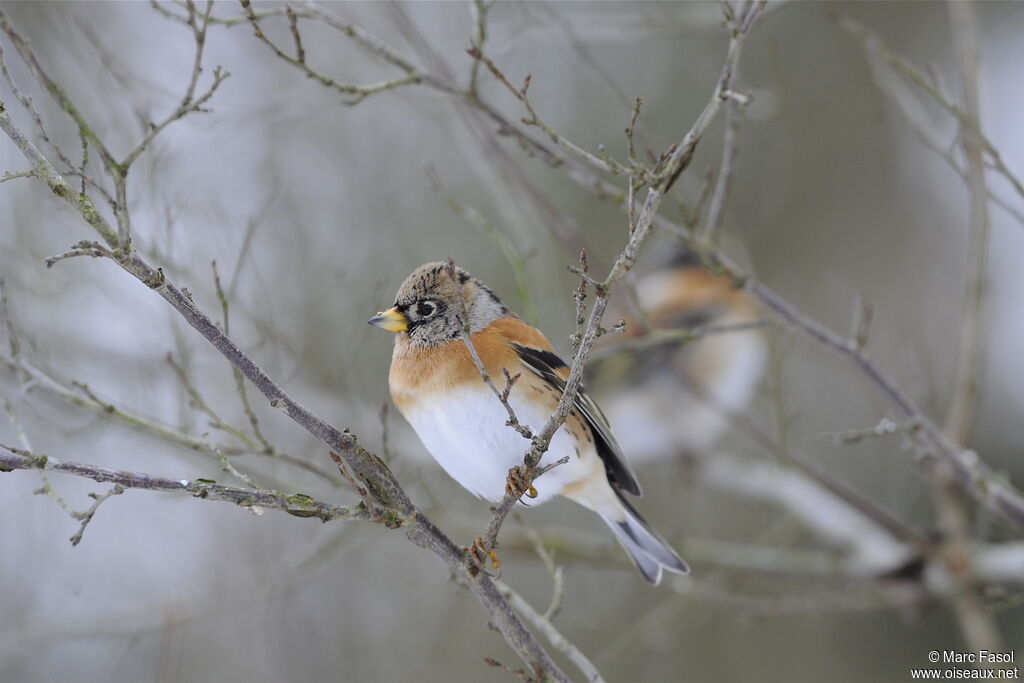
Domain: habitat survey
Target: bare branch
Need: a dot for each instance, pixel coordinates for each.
(117, 170)
(86, 516)
(599, 161)
(467, 338)
(243, 395)
(214, 19)
(543, 624)
(109, 162)
(197, 401)
(972, 325)
(872, 549)
(675, 161)
(579, 298)
(547, 558)
(730, 143)
(188, 104)
(299, 505)
(992, 489)
(83, 248)
(478, 9)
(726, 170)
(873, 43)
(12, 175)
(229, 467)
(7, 322)
(82, 396)
(368, 468)
(358, 92)
(885, 427)
(679, 336)
(976, 622)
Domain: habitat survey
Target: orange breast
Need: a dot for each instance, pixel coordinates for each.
(428, 373)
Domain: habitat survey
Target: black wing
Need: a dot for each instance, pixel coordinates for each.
(547, 365)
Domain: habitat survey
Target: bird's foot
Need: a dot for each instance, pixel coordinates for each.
(479, 554)
(518, 484)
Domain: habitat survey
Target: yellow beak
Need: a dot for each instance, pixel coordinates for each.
(391, 320)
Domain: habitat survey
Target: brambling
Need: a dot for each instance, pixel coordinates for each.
(440, 392)
(675, 398)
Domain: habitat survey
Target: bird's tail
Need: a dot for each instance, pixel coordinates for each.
(649, 552)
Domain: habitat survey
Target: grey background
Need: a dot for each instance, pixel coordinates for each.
(834, 198)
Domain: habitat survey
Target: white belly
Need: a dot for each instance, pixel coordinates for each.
(465, 432)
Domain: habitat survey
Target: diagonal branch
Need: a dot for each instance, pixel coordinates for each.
(873, 42)
(379, 481)
(117, 170)
(677, 161)
(986, 485)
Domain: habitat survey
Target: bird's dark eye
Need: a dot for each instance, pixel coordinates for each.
(425, 309)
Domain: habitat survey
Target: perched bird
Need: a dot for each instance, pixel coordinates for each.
(670, 398)
(438, 388)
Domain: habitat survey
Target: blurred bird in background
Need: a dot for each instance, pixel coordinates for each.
(674, 396)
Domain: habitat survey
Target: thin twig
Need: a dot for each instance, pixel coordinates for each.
(885, 427)
(214, 19)
(26, 103)
(990, 488)
(730, 144)
(229, 467)
(972, 325)
(976, 622)
(467, 338)
(83, 248)
(243, 395)
(873, 42)
(299, 505)
(678, 336)
(7, 325)
(478, 10)
(189, 102)
(676, 160)
(730, 156)
(547, 558)
(357, 92)
(26, 444)
(120, 240)
(381, 483)
(197, 401)
(86, 515)
(600, 161)
(12, 175)
(557, 640)
(579, 299)
(81, 395)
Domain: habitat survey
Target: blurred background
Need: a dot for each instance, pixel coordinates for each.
(316, 211)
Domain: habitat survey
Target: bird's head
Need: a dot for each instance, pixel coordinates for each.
(430, 303)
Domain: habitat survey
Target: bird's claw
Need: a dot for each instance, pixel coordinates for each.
(518, 484)
(479, 554)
